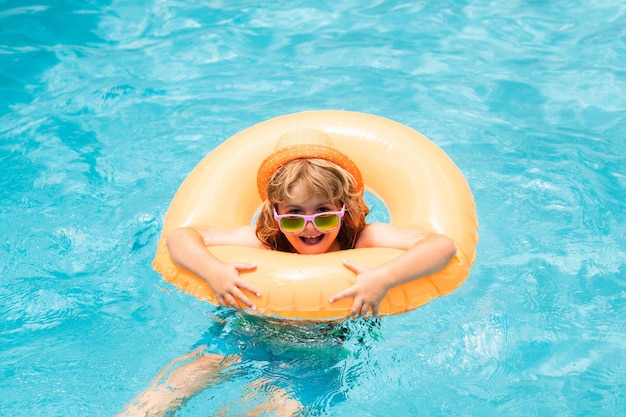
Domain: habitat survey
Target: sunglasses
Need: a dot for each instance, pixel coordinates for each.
(325, 222)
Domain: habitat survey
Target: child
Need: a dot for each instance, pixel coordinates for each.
(312, 203)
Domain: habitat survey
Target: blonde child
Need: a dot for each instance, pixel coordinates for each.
(312, 203)
(308, 182)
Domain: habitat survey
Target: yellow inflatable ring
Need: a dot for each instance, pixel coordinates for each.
(421, 187)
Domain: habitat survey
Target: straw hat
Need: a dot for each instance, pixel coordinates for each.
(303, 144)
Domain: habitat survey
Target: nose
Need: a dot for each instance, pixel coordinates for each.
(309, 225)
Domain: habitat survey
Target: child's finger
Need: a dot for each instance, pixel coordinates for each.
(244, 299)
(229, 301)
(348, 292)
(244, 266)
(248, 287)
(375, 310)
(356, 268)
(357, 309)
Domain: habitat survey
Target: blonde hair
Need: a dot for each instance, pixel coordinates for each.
(316, 178)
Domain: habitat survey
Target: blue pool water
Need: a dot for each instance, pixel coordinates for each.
(105, 107)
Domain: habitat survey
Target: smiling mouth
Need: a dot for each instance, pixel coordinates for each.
(311, 240)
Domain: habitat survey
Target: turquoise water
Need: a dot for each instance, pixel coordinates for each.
(105, 107)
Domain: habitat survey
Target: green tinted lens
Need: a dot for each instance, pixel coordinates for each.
(292, 224)
(327, 222)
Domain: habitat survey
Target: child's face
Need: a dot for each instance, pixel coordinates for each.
(310, 240)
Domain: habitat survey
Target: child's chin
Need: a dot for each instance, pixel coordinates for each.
(309, 247)
(311, 250)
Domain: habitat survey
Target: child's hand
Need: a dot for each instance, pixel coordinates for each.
(226, 284)
(368, 291)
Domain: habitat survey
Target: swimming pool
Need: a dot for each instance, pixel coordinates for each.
(105, 108)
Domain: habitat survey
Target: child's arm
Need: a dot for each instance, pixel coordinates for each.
(187, 248)
(425, 254)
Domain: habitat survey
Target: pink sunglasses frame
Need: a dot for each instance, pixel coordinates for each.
(310, 219)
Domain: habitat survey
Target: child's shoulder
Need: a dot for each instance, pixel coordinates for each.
(247, 236)
(371, 233)
(377, 235)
